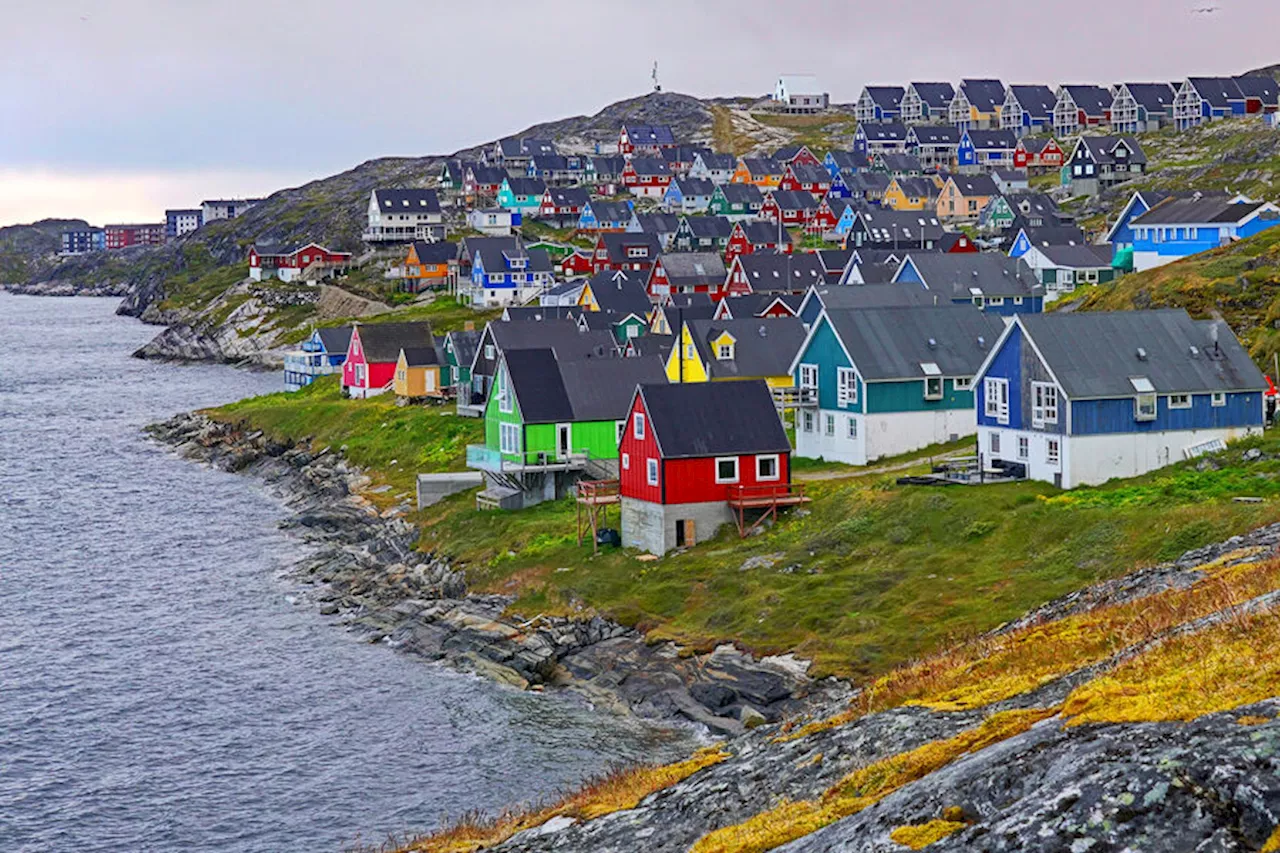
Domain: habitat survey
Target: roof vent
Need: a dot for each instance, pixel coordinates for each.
(933, 343)
(1195, 351)
(982, 342)
(1142, 354)
(763, 332)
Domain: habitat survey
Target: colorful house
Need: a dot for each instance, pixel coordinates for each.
(563, 206)
(600, 216)
(635, 252)
(1142, 107)
(977, 104)
(989, 280)
(927, 103)
(879, 104)
(522, 195)
(691, 456)
(911, 194)
(935, 146)
(1202, 99)
(373, 351)
(758, 171)
(757, 236)
(843, 162)
(293, 262)
(796, 155)
(1177, 228)
(621, 297)
(403, 215)
(1079, 108)
(1038, 154)
(686, 272)
(688, 195)
(713, 167)
(964, 196)
(872, 139)
(1098, 163)
(877, 382)
(736, 201)
(430, 265)
(793, 208)
(984, 150)
(805, 177)
(702, 234)
(418, 374)
(459, 349)
(1061, 268)
(1027, 109)
(646, 177)
(503, 272)
(899, 230)
(549, 422)
(321, 354)
(733, 350)
(768, 272)
(1084, 397)
(644, 139)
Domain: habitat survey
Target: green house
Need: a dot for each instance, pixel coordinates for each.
(998, 214)
(459, 351)
(521, 195)
(550, 423)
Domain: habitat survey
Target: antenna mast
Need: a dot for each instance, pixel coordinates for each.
(657, 87)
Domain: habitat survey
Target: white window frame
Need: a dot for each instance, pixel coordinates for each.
(1024, 447)
(809, 376)
(806, 419)
(932, 394)
(962, 383)
(829, 425)
(852, 429)
(1138, 406)
(637, 426)
(488, 352)
(995, 300)
(994, 443)
(1219, 399)
(995, 402)
(651, 471)
(777, 467)
(720, 459)
(1044, 404)
(1179, 401)
(508, 438)
(505, 404)
(626, 462)
(724, 352)
(1053, 452)
(846, 387)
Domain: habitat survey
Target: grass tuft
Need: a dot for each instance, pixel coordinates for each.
(921, 835)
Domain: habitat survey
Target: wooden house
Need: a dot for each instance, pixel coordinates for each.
(893, 229)
(702, 234)
(429, 266)
(502, 272)
(402, 216)
(688, 195)
(661, 225)
(1202, 99)
(796, 155)
(418, 374)
(294, 263)
(793, 208)
(877, 382)
(1028, 110)
(1177, 228)
(557, 169)
(911, 194)
(483, 182)
(843, 162)
(646, 177)
(321, 354)
(645, 140)
(896, 165)
(757, 236)
(577, 263)
(1038, 155)
(872, 139)
(563, 206)
(1081, 398)
(758, 171)
(977, 104)
(766, 272)
(1060, 268)
(459, 350)
(1079, 108)
(769, 306)
(879, 104)
(547, 330)
(736, 201)
(964, 196)
(935, 146)
(984, 150)
(1011, 181)
(991, 281)
(522, 195)
(713, 167)
(634, 252)
(686, 272)
(600, 216)
(733, 350)
(1100, 162)
(806, 177)
(1142, 107)
(691, 456)
(372, 354)
(926, 103)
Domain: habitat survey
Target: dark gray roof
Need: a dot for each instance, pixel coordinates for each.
(1218, 91)
(1101, 148)
(834, 260)
(555, 163)
(420, 356)
(888, 132)
(680, 310)
(896, 343)
(918, 187)
(694, 268)
(763, 233)
(1034, 144)
(527, 186)
(569, 196)
(695, 186)
(561, 336)
(889, 97)
(617, 244)
(650, 134)
(896, 162)
(1052, 235)
(762, 165)
(650, 166)
(439, 252)
(883, 295)
(976, 185)
(537, 313)
(878, 273)
(619, 293)
(539, 389)
(754, 304)
(336, 339)
(611, 211)
(1259, 86)
(936, 134)
(1038, 100)
(464, 342)
(992, 273)
(764, 346)
(486, 175)
(867, 182)
(998, 139)
(807, 173)
(714, 418)
(846, 159)
(526, 147)
(382, 342)
(601, 390)
(905, 228)
(793, 199)
(1078, 256)
(1094, 354)
(719, 162)
(769, 272)
(746, 194)
(709, 226)
(1191, 211)
(657, 223)
(1154, 97)
(935, 95)
(985, 94)
(407, 201)
(1094, 100)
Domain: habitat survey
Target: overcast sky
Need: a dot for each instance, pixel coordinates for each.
(116, 109)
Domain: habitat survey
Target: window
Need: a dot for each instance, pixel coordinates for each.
(1052, 452)
(853, 427)
(727, 469)
(1219, 398)
(933, 387)
(488, 351)
(1144, 407)
(767, 467)
(626, 462)
(1024, 447)
(1179, 401)
(724, 352)
(651, 472)
(995, 403)
(1044, 404)
(688, 351)
(831, 424)
(621, 425)
(638, 426)
(995, 443)
(808, 376)
(509, 438)
(995, 300)
(504, 392)
(846, 386)
(808, 421)
(962, 383)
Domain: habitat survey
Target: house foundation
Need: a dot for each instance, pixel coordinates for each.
(658, 528)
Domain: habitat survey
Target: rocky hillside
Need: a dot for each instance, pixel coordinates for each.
(22, 244)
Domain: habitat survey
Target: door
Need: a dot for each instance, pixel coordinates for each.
(563, 445)
(685, 533)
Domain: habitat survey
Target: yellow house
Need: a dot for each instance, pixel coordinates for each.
(764, 173)
(964, 196)
(911, 194)
(417, 374)
(726, 350)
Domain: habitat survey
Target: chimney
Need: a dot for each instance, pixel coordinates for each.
(469, 326)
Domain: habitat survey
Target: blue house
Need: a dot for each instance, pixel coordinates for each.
(993, 282)
(605, 215)
(1121, 234)
(839, 188)
(880, 381)
(1180, 227)
(878, 104)
(1028, 109)
(503, 272)
(843, 162)
(78, 241)
(688, 195)
(985, 149)
(319, 355)
(872, 139)
(1080, 398)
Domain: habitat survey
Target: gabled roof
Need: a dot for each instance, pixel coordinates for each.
(984, 139)
(865, 182)
(1094, 100)
(1260, 86)
(975, 185)
(695, 186)
(1100, 148)
(762, 346)
(1034, 144)
(611, 211)
(650, 166)
(539, 389)
(657, 223)
(569, 196)
(694, 268)
(677, 310)
(760, 233)
(834, 260)
(936, 95)
(888, 132)
(1051, 235)
(526, 147)
(440, 252)
(918, 187)
(1094, 354)
(705, 227)
(464, 343)
(488, 175)
(884, 295)
(1194, 211)
(382, 342)
(717, 162)
(561, 336)
(755, 304)
(895, 162)
(962, 276)
(793, 199)
(616, 244)
(419, 356)
(759, 166)
(714, 418)
(846, 159)
(552, 163)
(769, 272)
(746, 194)
(1038, 100)
(1078, 256)
(1153, 97)
(620, 294)
(650, 134)
(887, 97)
(984, 94)
(602, 390)
(536, 313)
(936, 134)
(807, 173)
(407, 201)
(1218, 91)
(335, 339)
(527, 186)
(897, 343)
(905, 228)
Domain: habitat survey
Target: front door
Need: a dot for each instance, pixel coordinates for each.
(563, 446)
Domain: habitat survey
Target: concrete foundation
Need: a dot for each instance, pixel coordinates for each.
(658, 528)
(433, 488)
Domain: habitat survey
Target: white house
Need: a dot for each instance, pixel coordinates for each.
(493, 221)
(402, 216)
(212, 211)
(800, 93)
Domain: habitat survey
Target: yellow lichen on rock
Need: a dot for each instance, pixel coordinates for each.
(1273, 843)
(921, 835)
(864, 787)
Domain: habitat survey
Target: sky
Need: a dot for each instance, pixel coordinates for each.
(113, 110)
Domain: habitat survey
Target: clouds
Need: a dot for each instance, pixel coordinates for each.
(276, 86)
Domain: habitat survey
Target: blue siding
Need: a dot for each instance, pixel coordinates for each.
(908, 273)
(1020, 246)
(1007, 364)
(1095, 417)
(810, 313)
(825, 351)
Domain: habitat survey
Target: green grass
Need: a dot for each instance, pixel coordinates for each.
(821, 133)
(201, 281)
(444, 313)
(873, 575)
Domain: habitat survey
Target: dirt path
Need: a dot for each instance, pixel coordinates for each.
(844, 474)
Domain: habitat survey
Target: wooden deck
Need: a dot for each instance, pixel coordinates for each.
(766, 500)
(593, 501)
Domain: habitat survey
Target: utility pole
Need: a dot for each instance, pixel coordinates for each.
(657, 87)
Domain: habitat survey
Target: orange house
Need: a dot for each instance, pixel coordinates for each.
(964, 196)
(761, 171)
(430, 265)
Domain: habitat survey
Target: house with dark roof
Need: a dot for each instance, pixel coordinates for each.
(1142, 107)
(759, 305)
(1079, 108)
(548, 423)
(770, 272)
(686, 272)
(688, 195)
(372, 352)
(843, 162)
(665, 319)
(796, 155)
(872, 139)
(1202, 99)
(763, 172)
(963, 197)
(556, 169)
(793, 208)
(1063, 267)
(736, 201)
(757, 236)
(483, 182)
(976, 104)
(418, 374)
(503, 272)
(855, 295)
(880, 381)
(934, 145)
(646, 177)
(661, 225)
(560, 334)
(599, 216)
(984, 150)
(403, 215)
(713, 167)
(563, 205)
(1177, 228)
(989, 280)
(430, 265)
(879, 104)
(514, 154)
(645, 139)
(1121, 235)
(1038, 155)
(521, 195)
(289, 262)
(1100, 162)
(692, 455)
(1027, 109)
(702, 234)
(894, 229)
(733, 350)
(626, 251)
(1025, 237)
(321, 354)
(459, 349)
(896, 165)
(927, 103)
(1084, 397)
(616, 300)
(806, 177)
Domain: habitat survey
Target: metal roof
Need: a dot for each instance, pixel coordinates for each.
(894, 343)
(714, 418)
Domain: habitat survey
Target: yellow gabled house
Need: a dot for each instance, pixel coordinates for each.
(911, 194)
(417, 374)
(726, 350)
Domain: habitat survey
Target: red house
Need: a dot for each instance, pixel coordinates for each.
(370, 367)
(646, 176)
(794, 207)
(957, 243)
(123, 236)
(577, 264)
(644, 139)
(1043, 154)
(797, 156)
(625, 251)
(696, 456)
(756, 236)
(811, 179)
(288, 264)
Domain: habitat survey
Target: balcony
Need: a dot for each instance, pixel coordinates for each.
(795, 398)
(484, 458)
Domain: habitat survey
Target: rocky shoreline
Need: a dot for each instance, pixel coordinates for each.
(364, 570)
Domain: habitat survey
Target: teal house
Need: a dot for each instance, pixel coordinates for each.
(521, 195)
(878, 382)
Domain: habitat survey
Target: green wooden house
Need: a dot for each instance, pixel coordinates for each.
(550, 423)
(736, 201)
(459, 350)
(521, 195)
(877, 382)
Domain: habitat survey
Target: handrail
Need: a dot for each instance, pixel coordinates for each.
(766, 490)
